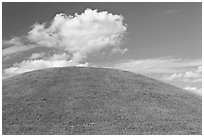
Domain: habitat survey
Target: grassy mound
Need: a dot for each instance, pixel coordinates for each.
(84, 101)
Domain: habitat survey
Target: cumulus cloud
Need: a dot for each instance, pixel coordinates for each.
(157, 65)
(194, 89)
(82, 34)
(188, 76)
(73, 38)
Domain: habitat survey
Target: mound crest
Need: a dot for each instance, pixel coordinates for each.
(75, 100)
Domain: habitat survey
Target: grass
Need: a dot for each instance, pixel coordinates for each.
(96, 101)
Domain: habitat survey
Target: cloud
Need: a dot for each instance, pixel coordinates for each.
(188, 76)
(13, 41)
(37, 55)
(72, 37)
(176, 71)
(82, 34)
(56, 60)
(157, 65)
(15, 49)
(15, 45)
(119, 50)
(194, 89)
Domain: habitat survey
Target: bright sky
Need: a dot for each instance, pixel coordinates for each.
(159, 40)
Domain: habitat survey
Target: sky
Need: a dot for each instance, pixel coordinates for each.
(159, 40)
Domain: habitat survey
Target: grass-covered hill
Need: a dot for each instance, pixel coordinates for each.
(75, 100)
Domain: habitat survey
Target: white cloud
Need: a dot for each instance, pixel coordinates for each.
(37, 55)
(15, 45)
(158, 65)
(13, 41)
(119, 50)
(82, 34)
(194, 89)
(15, 49)
(30, 65)
(63, 56)
(175, 71)
(188, 76)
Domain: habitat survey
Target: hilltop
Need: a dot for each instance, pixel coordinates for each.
(77, 100)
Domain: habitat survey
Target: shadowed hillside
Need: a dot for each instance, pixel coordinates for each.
(76, 100)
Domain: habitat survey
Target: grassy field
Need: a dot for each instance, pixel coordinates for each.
(96, 101)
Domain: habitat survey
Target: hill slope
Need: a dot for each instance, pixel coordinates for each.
(96, 101)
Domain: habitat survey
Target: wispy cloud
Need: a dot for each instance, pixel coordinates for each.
(158, 65)
(167, 69)
(194, 89)
(188, 76)
(14, 41)
(15, 49)
(14, 45)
